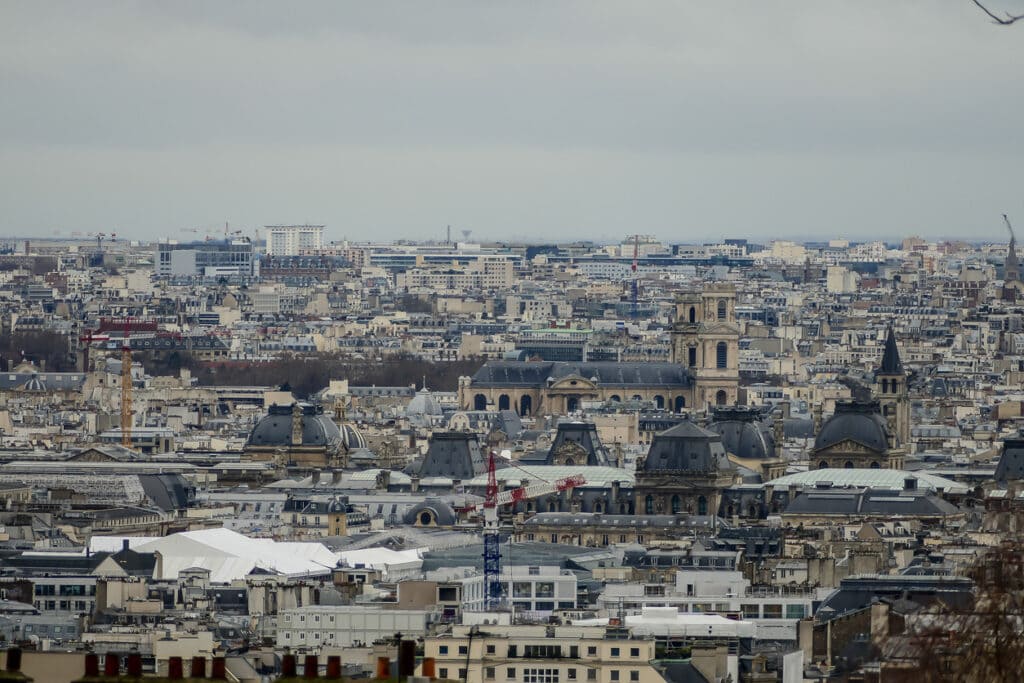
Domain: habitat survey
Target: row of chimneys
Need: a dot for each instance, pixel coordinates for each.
(175, 666)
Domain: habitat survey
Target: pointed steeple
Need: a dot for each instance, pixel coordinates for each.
(891, 363)
(1011, 265)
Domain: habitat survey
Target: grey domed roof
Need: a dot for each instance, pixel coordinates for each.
(352, 437)
(437, 512)
(423, 403)
(275, 429)
(859, 421)
(744, 434)
(686, 448)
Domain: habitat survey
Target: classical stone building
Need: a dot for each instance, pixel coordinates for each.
(704, 370)
(857, 436)
(557, 388)
(705, 340)
(685, 471)
(301, 435)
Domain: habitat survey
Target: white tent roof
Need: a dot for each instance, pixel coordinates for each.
(228, 555)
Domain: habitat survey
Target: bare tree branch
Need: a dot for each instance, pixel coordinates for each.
(1010, 18)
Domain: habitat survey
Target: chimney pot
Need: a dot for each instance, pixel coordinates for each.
(112, 664)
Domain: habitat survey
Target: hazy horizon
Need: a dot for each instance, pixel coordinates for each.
(521, 122)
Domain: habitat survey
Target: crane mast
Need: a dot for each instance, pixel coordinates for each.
(492, 529)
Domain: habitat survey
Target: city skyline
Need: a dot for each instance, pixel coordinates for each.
(583, 121)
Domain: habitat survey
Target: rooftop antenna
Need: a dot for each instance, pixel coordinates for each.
(449, 238)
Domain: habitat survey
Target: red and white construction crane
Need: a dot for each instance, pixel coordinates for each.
(492, 529)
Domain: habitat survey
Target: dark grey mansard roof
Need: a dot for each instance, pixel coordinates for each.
(829, 501)
(275, 429)
(585, 435)
(453, 455)
(686, 448)
(1011, 461)
(859, 421)
(535, 374)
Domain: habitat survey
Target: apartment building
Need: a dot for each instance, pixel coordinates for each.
(541, 654)
(292, 240)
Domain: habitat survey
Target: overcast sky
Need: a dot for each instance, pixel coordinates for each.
(524, 119)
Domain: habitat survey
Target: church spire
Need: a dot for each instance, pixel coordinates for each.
(891, 363)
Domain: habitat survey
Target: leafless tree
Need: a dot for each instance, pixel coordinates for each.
(980, 643)
(1003, 21)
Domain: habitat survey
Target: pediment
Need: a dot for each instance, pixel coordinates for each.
(848, 446)
(720, 327)
(574, 382)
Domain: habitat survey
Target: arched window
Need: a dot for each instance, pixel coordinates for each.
(649, 505)
(680, 403)
(822, 465)
(479, 402)
(721, 397)
(659, 401)
(676, 506)
(702, 506)
(693, 314)
(875, 465)
(504, 402)
(722, 355)
(848, 465)
(722, 309)
(691, 356)
(526, 405)
(885, 386)
(615, 397)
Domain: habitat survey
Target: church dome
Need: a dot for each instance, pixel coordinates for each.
(858, 421)
(423, 404)
(275, 428)
(744, 434)
(351, 437)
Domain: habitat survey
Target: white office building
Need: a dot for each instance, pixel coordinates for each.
(292, 240)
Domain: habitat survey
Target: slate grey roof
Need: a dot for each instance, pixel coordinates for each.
(686, 448)
(583, 434)
(166, 491)
(859, 421)
(275, 429)
(858, 592)
(453, 455)
(1011, 461)
(744, 433)
(49, 381)
(442, 513)
(536, 374)
(623, 521)
(875, 502)
(891, 364)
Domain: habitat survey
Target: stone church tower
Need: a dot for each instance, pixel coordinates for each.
(891, 390)
(705, 339)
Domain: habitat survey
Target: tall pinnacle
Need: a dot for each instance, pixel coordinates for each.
(891, 363)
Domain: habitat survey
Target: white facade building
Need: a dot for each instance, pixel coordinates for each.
(539, 590)
(292, 240)
(346, 625)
